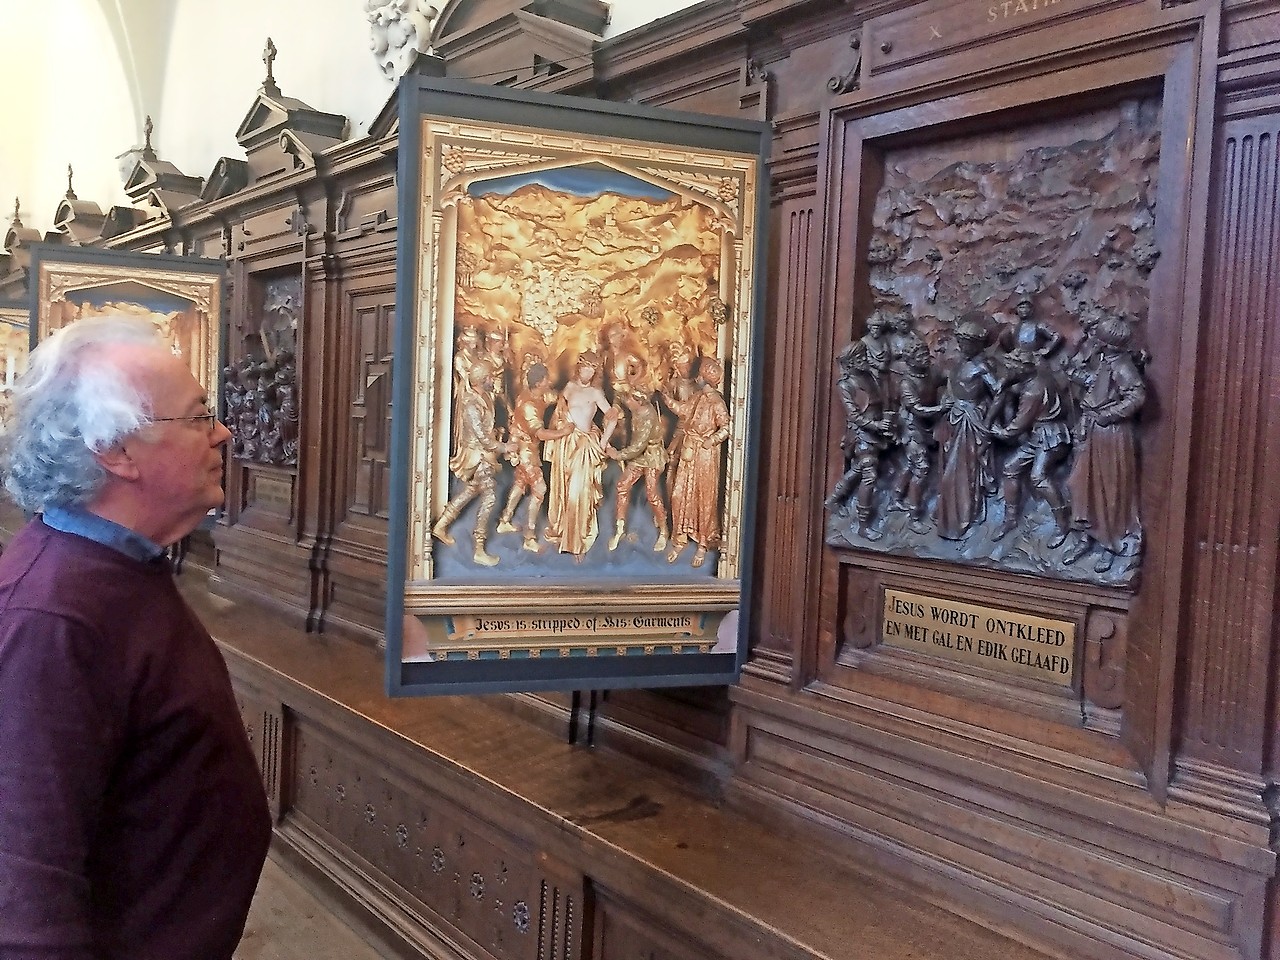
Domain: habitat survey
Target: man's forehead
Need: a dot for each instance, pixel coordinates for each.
(154, 369)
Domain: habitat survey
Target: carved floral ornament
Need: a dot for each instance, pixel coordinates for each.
(399, 30)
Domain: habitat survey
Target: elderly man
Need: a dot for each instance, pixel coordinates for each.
(133, 822)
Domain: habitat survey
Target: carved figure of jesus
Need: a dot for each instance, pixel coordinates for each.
(576, 454)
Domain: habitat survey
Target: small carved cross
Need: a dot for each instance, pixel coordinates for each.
(269, 58)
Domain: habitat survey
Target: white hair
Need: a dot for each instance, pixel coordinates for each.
(69, 404)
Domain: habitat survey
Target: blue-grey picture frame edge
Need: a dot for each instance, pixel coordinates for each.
(432, 96)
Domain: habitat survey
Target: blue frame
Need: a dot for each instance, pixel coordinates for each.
(421, 97)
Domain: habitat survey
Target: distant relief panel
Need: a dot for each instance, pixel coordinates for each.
(1005, 641)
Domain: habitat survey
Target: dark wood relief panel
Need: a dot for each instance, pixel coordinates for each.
(1235, 514)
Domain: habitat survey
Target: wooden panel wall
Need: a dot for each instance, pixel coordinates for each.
(1131, 816)
(1235, 528)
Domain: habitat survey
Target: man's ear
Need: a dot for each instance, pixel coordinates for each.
(118, 462)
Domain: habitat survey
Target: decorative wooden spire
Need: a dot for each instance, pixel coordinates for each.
(17, 204)
(71, 194)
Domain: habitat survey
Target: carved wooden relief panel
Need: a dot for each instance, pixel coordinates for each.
(992, 406)
(260, 390)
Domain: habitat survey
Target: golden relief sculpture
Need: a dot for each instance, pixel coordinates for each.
(609, 273)
(604, 288)
(184, 303)
(15, 343)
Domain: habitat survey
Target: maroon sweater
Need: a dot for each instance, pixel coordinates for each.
(133, 822)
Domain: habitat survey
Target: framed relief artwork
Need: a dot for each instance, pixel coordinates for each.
(15, 343)
(182, 296)
(575, 392)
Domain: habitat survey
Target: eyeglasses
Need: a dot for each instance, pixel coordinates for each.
(209, 420)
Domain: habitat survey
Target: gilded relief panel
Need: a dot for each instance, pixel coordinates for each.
(15, 344)
(578, 435)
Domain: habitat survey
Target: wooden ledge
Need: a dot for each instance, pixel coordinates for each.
(741, 888)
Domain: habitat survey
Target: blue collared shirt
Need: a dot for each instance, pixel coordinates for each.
(82, 523)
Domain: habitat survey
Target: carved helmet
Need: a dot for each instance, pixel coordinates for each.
(1114, 330)
(970, 328)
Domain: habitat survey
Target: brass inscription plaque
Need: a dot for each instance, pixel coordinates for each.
(1018, 643)
(272, 493)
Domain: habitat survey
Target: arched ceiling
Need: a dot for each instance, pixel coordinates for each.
(141, 30)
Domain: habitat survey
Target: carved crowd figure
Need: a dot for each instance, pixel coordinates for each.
(966, 473)
(695, 493)
(496, 351)
(526, 433)
(626, 368)
(1104, 478)
(466, 356)
(475, 461)
(576, 454)
(262, 409)
(867, 432)
(879, 351)
(901, 340)
(645, 456)
(680, 385)
(1029, 334)
(1039, 428)
(918, 407)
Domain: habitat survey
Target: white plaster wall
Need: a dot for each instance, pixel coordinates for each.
(213, 68)
(627, 15)
(66, 101)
